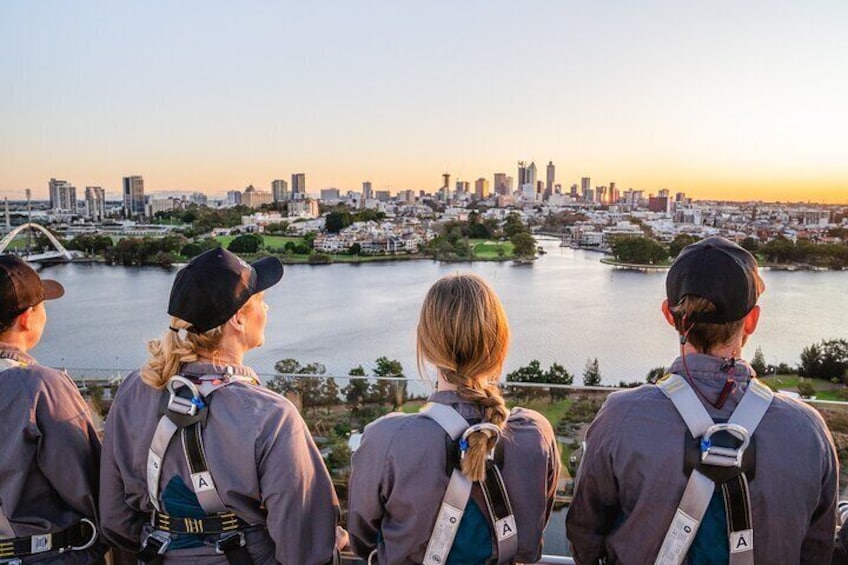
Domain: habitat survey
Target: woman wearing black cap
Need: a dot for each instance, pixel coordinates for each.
(200, 462)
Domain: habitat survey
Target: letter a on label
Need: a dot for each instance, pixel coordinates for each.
(202, 482)
(742, 540)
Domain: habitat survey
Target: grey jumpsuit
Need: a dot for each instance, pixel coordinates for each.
(261, 456)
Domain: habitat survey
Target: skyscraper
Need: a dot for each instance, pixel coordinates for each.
(134, 196)
(531, 174)
(500, 186)
(298, 187)
(550, 179)
(95, 203)
(367, 190)
(586, 188)
(446, 187)
(63, 195)
(522, 174)
(481, 188)
(279, 190)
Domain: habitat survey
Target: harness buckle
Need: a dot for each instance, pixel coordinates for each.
(180, 405)
(491, 430)
(229, 542)
(156, 543)
(724, 456)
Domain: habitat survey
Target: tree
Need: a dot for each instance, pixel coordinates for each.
(679, 242)
(558, 375)
(513, 225)
(338, 220)
(530, 373)
(523, 245)
(758, 363)
(393, 391)
(329, 393)
(825, 360)
(592, 373)
(247, 243)
(356, 391)
(355, 249)
(639, 250)
(655, 374)
(309, 389)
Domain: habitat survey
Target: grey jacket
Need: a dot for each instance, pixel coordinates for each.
(260, 453)
(631, 477)
(399, 477)
(50, 453)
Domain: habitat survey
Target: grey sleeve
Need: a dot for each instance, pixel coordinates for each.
(818, 544)
(595, 504)
(302, 508)
(365, 497)
(68, 450)
(120, 524)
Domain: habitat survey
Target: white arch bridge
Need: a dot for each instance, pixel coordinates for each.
(60, 253)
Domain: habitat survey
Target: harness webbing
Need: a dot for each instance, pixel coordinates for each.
(6, 530)
(458, 493)
(700, 488)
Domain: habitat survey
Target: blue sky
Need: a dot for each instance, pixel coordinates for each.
(723, 99)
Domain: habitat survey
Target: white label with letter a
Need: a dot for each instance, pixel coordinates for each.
(202, 481)
(742, 540)
(505, 528)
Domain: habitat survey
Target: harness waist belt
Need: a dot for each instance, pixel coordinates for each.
(79, 536)
(217, 524)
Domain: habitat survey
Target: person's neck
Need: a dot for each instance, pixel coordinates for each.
(444, 385)
(17, 340)
(224, 354)
(726, 351)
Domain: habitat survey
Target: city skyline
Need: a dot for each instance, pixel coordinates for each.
(720, 101)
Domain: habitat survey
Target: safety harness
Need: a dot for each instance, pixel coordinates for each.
(727, 466)
(459, 491)
(186, 412)
(78, 537)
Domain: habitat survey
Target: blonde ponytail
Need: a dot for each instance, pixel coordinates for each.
(464, 333)
(170, 351)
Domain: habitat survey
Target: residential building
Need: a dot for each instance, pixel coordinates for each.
(279, 190)
(298, 186)
(586, 188)
(95, 203)
(383, 195)
(233, 197)
(63, 196)
(305, 208)
(328, 194)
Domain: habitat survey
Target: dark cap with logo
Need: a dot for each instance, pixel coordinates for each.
(216, 284)
(21, 287)
(720, 271)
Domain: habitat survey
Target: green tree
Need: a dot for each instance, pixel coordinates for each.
(530, 373)
(329, 393)
(678, 243)
(392, 391)
(338, 220)
(758, 363)
(356, 391)
(592, 373)
(655, 374)
(355, 249)
(558, 375)
(524, 246)
(751, 244)
(513, 225)
(247, 243)
(638, 250)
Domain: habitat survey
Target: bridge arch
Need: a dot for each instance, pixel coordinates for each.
(4, 243)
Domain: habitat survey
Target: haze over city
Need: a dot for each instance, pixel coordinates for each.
(720, 100)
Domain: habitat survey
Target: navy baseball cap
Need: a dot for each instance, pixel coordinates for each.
(720, 271)
(216, 284)
(21, 287)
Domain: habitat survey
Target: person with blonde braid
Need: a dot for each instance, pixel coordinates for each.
(406, 462)
(200, 462)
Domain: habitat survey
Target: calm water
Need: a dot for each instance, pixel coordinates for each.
(567, 307)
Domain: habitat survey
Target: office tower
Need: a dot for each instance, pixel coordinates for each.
(522, 174)
(585, 188)
(550, 178)
(382, 195)
(462, 187)
(63, 196)
(134, 196)
(279, 190)
(298, 186)
(233, 197)
(95, 203)
(367, 190)
(664, 193)
(531, 174)
(613, 193)
(499, 185)
(446, 187)
(253, 198)
(574, 191)
(481, 188)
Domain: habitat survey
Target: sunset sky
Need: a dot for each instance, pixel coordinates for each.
(722, 99)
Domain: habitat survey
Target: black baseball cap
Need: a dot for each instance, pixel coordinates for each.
(216, 284)
(21, 287)
(720, 271)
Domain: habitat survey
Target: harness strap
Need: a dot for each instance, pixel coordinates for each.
(201, 479)
(500, 510)
(80, 536)
(165, 430)
(699, 488)
(458, 491)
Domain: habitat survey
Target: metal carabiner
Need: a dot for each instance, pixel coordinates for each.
(491, 430)
(91, 540)
(724, 456)
(188, 407)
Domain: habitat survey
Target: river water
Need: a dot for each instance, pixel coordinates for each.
(565, 308)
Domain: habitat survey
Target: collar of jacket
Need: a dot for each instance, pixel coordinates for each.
(8, 351)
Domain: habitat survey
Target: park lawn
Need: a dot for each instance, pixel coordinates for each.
(269, 241)
(825, 390)
(488, 249)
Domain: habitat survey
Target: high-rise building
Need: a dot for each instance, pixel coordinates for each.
(95, 203)
(298, 186)
(367, 190)
(133, 196)
(481, 188)
(531, 174)
(253, 198)
(383, 195)
(462, 187)
(500, 186)
(279, 190)
(330, 194)
(446, 187)
(522, 174)
(585, 188)
(233, 197)
(550, 179)
(63, 196)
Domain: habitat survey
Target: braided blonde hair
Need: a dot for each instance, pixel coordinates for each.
(464, 333)
(170, 351)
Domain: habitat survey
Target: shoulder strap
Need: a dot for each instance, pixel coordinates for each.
(699, 488)
(7, 363)
(185, 414)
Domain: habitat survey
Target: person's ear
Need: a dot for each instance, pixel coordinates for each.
(751, 320)
(24, 321)
(667, 313)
